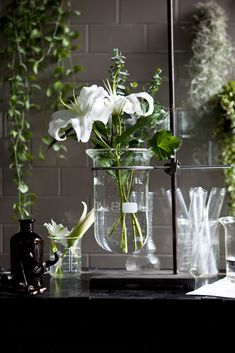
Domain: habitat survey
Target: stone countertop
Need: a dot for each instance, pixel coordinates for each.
(118, 285)
(114, 312)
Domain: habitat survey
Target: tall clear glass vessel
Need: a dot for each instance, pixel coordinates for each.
(121, 183)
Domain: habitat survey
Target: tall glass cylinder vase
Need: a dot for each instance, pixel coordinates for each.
(121, 182)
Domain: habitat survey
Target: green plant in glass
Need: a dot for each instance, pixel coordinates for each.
(116, 118)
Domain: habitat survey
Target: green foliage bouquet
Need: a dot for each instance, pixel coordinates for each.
(115, 118)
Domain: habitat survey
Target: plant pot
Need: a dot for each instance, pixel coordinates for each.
(121, 183)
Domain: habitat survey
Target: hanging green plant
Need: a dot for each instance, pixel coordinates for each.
(36, 35)
(212, 56)
(225, 134)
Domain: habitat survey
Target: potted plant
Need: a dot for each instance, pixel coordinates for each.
(125, 130)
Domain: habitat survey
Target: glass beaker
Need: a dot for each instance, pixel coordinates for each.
(205, 249)
(229, 228)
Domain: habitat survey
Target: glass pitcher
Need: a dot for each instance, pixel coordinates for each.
(229, 228)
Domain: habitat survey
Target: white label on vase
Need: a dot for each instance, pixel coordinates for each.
(129, 207)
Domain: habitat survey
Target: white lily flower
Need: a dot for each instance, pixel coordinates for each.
(57, 232)
(91, 104)
(129, 104)
(132, 104)
(84, 223)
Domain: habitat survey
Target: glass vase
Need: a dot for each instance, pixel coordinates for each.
(69, 264)
(121, 182)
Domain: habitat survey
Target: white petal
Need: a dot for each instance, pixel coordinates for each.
(60, 119)
(133, 105)
(83, 127)
(89, 95)
(102, 110)
(150, 101)
(119, 103)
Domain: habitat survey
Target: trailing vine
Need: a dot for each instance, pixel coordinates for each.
(36, 35)
(225, 134)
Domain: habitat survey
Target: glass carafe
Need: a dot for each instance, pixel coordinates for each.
(229, 229)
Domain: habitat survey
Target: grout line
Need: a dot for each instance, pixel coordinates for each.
(117, 18)
(87, 38)
(145, 38)
(1, 240)
(176, 11)
(59, 181)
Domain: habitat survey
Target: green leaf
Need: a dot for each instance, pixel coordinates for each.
(58, 86)
(95, 141)
(49, 92)
(46, 140)
(41, 156)
(23, 188)
(164, 144)
(35, 67)
(127, 134)
(35, 34)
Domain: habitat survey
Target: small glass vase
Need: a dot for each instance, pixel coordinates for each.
(69, 264)
(121, 182)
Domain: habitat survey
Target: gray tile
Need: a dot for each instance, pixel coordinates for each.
(82, 39)
(89, 244)
(148, 11)
(158, 40)
(91, 13)
(8, 232)
(76, 155)
(43, 181)
(63, 210)
(127, 38)
(1, 178)
(76, 182)
(142, 66)
(107, 261)
(5, 155)
(1, 124)
(6, 209)
(90, 63)
(5, 261)
(163, 239)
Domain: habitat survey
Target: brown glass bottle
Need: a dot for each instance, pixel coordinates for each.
(26, 251)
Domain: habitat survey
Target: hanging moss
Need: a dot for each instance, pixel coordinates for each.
(212, 56)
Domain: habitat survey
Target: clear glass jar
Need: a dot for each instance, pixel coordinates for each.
(121, 182)
(69, 264)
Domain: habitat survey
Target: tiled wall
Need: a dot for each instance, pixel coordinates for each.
(139, 29)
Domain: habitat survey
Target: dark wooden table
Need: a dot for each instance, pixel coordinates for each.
(115, 312)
